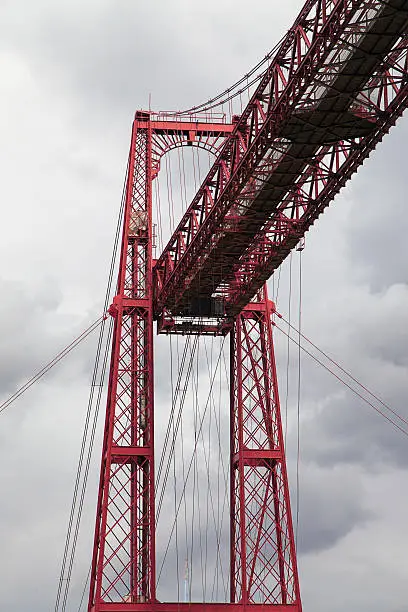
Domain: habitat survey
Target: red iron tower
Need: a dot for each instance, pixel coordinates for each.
(337, 83)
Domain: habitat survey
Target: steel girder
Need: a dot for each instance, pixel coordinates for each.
(123, 565)
(336, 85)
(263, 559)
(263, 556)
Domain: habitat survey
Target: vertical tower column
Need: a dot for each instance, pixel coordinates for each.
(123, 566)
(263, 556)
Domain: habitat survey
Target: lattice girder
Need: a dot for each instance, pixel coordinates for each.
(263, 557)
(123, 566)
(338, 80)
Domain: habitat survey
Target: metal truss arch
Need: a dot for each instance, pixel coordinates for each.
(158, 151)
(171, 131)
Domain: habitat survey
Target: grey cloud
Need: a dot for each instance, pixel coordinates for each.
(344, 432)
(39, 456)
(331, 506)
(369, 340)
(33, 331)
(377, 237)
(167, 50)
(72, 76)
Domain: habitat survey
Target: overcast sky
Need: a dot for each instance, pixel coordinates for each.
(72, 75)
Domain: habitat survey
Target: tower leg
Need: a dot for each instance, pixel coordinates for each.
(263, 556)
(123, 566)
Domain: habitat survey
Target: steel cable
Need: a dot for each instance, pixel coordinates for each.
(378, 410)
(84, 589)
(176, 429)
(298, 403)
(334, 362)
(288, 349)
(65, 351)
(185, 479)
(218, 522)
(218, 101)
(87, 464)
(70, 546)
(175, 480)
(172, 410)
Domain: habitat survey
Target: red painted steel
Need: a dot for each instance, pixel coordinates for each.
(170, 131)
(123, 566)
(337, 84)
(196, 607)
(263, 556)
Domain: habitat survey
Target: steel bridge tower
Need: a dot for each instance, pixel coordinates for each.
(336, 85)
(263, 559)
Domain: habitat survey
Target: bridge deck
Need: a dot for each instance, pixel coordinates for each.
(333, 117)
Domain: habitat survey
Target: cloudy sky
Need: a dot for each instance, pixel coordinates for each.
(72, 75)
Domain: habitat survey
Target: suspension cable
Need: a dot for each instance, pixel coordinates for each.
(298, 403)
(46, 368)
(87, 464)
(219, 521)
(228, 94)
(350, 387)
(288, 348)
(176, 427)
(191, 461)
(175, 393)
(334, 362)
(70, 544)
(84, 589)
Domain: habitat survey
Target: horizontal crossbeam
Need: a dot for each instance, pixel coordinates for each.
(195, 607)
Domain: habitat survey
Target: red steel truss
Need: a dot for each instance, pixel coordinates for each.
(337, 84)
(123, 565)
(263, 557)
